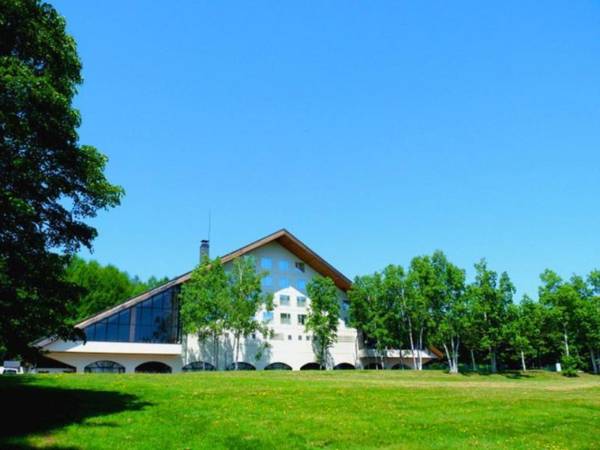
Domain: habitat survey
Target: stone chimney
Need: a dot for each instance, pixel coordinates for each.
(204, 249)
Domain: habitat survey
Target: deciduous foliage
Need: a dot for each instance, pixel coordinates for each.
(205, 303)
(246, 298)
(323, 315)
(101, 286)
(49, 182)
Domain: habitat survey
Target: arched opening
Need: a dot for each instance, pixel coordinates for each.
(374, 366)
(344, 366)
(241, 366)
(400, 366)
(312, 366)
(278, 366)
(153, 367)
(104, 367)
(198, 366)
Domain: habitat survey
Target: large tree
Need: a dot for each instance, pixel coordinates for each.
(49, 183)
(205, 302)
(323, 315)
(492, 296)
(245, 300)
(371, 312)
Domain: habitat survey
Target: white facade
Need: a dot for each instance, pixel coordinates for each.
(290, 346)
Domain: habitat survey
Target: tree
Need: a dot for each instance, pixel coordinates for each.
(419, 295)
(205, 302)
(371, 311)
(590, 319)
(447, 307)
(493, 297)
(245, 299)
(102, 287)
(523, 328)
(49, 183)
(563, 300)
(323, 315)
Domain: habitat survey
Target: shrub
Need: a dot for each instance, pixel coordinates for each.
(569, 366)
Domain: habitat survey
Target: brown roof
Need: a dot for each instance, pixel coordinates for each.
(283, 237)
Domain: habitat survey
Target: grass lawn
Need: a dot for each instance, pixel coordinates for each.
(264, 410)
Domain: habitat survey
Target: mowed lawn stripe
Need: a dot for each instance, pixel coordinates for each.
(361, 409)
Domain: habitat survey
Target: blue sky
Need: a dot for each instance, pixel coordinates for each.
(374, 131)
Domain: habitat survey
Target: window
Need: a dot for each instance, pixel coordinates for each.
(308, 338)
(300, 267)
(299, 337)
(289, 337)
(301, 301)
(266, 263)
(197, 366)
(301, 319)
(267, 316)
(285, 319)
(284, 283)
(284, 300)
(153, 320)
(104, 367)
(284, 265)
(253, 336)
(267, 281)
(301, 284)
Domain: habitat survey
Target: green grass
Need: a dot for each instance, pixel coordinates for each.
(263, 410)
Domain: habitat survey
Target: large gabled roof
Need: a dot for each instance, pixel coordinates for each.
(283, 237)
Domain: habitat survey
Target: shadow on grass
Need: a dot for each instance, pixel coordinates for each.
(512, 374)
(29, 409)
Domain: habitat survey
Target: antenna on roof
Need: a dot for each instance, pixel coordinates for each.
(209, 223)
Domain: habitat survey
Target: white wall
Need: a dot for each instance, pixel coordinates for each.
(294, 352)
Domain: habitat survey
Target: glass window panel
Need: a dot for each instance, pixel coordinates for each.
(113, 320)
(285, 319)
(112, 332)
(301, 301)
(123, 333)
(124, 317)
(284, 300)
(166, 300)
(90, 333)
(147, 316)
(101, 331)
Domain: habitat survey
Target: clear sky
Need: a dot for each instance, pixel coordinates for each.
(374, 131)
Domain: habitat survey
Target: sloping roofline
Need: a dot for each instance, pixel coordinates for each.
(282, 236)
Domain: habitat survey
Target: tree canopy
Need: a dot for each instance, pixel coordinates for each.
(49, 182)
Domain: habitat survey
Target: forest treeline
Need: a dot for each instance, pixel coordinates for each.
(431, 305)
(102, 286)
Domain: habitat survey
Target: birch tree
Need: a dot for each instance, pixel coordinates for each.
(493, 296)
(245, 300)
(323, 315)
(371, 312)
(205, 303)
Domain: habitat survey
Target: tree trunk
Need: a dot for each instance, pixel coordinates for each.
(523, 366)
(237, 351)
(473, 365)
(566, 340)
(420, 349)
(450, 360)
(494, 367)
(594, 362)
(216, 350)
(412, 344)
